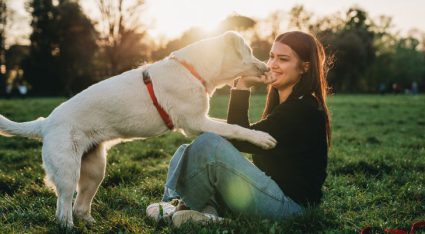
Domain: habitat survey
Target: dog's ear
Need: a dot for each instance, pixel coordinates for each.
(236, 41)
(231, 36)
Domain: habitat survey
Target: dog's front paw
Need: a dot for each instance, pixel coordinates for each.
(65, 223)
(264, 140)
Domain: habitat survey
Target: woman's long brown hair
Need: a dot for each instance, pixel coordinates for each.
(309, 49)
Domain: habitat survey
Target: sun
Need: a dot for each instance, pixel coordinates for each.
(171, 18)
(168, 19)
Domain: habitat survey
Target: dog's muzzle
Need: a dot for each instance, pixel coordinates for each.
(262, 67)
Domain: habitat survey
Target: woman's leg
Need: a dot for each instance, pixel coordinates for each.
(174, 172)
(211, 166)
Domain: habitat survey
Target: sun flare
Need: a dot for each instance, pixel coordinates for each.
(174, 17)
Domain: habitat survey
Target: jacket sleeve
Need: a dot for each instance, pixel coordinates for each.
(238, 114)
(290, 123)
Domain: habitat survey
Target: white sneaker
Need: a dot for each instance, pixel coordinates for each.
(183, 216)
(160, 211)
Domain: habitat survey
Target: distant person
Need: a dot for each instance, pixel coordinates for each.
(396, 88)
(9, 89)
(382, 88)
(211, 174)
(414, 88)
(23, 89)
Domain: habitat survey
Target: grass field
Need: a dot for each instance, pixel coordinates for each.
(376, 174)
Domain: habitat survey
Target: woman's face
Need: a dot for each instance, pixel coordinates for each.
(285, 66)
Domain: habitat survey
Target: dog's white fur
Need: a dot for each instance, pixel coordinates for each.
(75, 135)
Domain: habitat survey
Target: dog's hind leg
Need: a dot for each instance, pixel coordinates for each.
(93, 166)
(62, 162)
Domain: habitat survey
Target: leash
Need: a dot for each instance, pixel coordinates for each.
(164, 115)
(192, 70)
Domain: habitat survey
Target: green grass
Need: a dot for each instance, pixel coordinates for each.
(376, 174)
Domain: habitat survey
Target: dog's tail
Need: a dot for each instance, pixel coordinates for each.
(31, 129)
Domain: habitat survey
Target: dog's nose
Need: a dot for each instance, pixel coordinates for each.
(263, 67)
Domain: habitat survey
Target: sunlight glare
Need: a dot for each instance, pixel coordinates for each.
(174, 17)
(238, 194)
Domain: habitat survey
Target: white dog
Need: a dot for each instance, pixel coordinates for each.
(76, 134)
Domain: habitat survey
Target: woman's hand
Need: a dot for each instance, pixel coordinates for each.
(246, 82)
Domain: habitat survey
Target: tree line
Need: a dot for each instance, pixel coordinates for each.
(67, 52)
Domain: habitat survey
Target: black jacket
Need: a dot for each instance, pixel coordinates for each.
(298, 162)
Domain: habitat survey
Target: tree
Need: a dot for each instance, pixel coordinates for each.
(260, 47)
(122, 35)
(3, 21)
(41, 69)
(15, 54)
(299, 18)
(77, 46)
(236, 23)
(272, 25)
(378, 76)
(191, 35)
(63, 44)
(353, 48)
(408, 62)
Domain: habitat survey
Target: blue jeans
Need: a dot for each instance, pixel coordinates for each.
(211, 168)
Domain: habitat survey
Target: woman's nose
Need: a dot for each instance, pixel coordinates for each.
(271, 63)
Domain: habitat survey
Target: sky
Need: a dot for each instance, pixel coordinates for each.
(169, 18)
(173, 16)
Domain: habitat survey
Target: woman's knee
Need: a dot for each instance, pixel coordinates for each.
(208, 136)
(206, 141)
(212, 146)
(206, 144)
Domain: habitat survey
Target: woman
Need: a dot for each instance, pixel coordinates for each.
(211, 173)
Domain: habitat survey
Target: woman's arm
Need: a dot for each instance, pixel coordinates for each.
(289, 123)
(238, 114)
(239, 98)
(239, 106)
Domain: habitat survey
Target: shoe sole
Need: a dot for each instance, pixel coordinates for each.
(184, 216)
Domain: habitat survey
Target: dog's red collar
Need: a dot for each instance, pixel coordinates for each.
(164, 115)
(192, 70)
